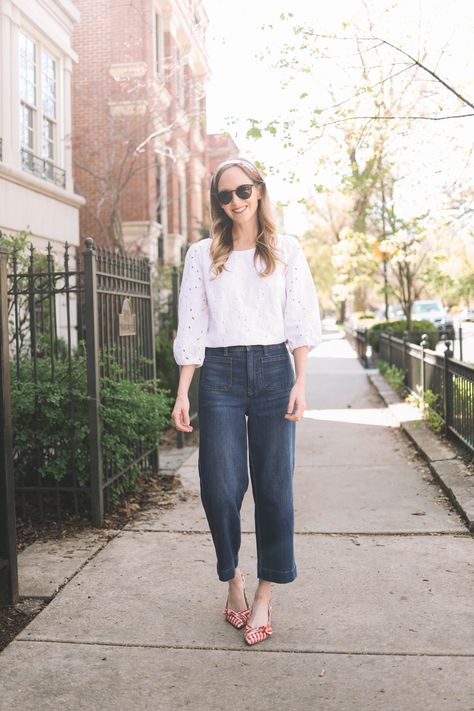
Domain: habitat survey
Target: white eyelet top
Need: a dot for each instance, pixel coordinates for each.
(239, 307)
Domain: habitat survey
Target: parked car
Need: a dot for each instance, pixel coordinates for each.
(395, 312)
(466, 314)
(434, 311)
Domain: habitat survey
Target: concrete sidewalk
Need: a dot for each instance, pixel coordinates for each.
(380, 616)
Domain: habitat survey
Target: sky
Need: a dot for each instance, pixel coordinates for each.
(243, 86)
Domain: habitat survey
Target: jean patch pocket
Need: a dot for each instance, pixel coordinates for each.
(216, 373)
(277, 372)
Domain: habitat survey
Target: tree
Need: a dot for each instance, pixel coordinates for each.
(141, 131)
(355, 266)
(407, 253)
(363, 151)
(362, 135)
(330, 217)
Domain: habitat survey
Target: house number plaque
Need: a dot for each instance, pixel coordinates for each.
(127, 320)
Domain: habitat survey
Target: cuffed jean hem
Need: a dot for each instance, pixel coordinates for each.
(277, 576)
(227, 574)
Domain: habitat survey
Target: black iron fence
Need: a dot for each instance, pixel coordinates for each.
(65, 324)
(449, 380)
(357, 337)
(41, 351)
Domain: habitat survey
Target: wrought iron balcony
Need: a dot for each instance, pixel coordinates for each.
(42, 168)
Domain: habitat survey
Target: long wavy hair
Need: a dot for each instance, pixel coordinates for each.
(221, 224)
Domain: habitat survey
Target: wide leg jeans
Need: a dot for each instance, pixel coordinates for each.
(243, 397)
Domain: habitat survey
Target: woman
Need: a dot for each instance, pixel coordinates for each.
(245, 294)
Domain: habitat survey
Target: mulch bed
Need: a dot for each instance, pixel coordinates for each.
(15, 618)
(159, 491)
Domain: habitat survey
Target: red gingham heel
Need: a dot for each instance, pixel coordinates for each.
(252, 635)
(237, 619)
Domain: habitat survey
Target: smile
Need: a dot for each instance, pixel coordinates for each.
(238, 210)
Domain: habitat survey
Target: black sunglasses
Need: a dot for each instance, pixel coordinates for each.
(243, 192)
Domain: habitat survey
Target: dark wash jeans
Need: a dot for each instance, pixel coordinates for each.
(236, 381)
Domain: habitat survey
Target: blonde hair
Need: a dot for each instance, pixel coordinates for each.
(221, 224)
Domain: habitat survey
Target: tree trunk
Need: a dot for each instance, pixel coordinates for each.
(360, 298)
(342, 312)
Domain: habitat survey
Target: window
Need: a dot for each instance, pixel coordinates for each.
(28, 108)
(48, 90)
(38, 97)
(27, 127)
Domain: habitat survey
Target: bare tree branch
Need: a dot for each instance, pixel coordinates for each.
(431, 72)
(415, 61)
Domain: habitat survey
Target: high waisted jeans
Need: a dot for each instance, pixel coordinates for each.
(253, 381)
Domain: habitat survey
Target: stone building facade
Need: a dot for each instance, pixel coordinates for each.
(36, 64)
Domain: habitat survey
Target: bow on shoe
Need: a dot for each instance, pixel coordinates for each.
(266, 629)
(253, 635)
(237, 619)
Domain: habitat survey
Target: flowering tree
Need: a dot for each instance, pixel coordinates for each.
(407, 251)
(358, 123)
(355, 265)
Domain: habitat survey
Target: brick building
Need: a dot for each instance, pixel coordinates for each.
(220, 146)
(139, 123)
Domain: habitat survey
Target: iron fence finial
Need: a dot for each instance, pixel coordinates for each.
(447, 349)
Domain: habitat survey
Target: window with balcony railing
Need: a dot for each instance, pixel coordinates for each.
(38, 111)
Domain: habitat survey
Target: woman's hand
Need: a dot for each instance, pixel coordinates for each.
(180, 414)
(297, 397)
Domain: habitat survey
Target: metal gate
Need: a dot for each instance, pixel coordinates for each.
(116, 316)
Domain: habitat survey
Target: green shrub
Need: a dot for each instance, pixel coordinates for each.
(49, 420)
(398, 329)
(51, 427)
(166, 368)
(431, 407)
(394, 376)
(132, 416)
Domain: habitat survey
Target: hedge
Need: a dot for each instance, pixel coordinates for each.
(418, 328)
(51, 427)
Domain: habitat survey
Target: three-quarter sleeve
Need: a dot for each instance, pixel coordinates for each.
(301, 315)
(193, 312)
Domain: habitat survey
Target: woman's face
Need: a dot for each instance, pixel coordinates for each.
(239, 210)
